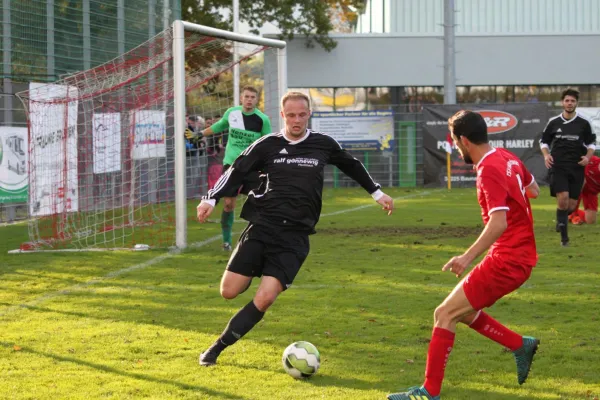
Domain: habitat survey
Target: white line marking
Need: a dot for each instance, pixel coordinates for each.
(526, 286)
(162, 257)
(410, 196)
(374, 204)
(110, 275)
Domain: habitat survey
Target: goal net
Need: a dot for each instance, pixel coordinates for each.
(115, 156)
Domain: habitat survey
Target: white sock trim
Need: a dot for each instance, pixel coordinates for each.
(477, 316)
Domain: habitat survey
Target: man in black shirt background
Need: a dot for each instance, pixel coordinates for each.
(568, 145)
(281, 213)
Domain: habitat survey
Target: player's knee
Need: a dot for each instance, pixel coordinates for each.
(229, 204)
(444, 315)
(264, 300)
(441, 314)
(563, 204)
(228, 292)
(590, 218)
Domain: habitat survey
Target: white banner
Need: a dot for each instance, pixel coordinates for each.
(14, 164)
(53, 176)
(149, 134)
(106, 142)
(593, 114)
(357, 130)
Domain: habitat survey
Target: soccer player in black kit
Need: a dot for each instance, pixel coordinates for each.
(281, 213)
(568, 145)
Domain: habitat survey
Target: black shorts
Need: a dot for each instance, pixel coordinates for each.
(250, 182)
(270, 252)
(566, 179)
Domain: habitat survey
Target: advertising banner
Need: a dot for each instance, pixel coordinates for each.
(107, 142)
(593, 115)
(515, 127)
(14, 164)
(357, 130)
(149, 134)
(53, 175)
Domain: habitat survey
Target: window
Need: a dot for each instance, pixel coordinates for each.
(379, 98)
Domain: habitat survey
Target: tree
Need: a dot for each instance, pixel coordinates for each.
(313, 18)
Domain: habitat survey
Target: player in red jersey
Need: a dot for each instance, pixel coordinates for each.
(589, 194)
(504, 187)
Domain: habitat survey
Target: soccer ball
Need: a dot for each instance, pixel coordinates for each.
(301, 360)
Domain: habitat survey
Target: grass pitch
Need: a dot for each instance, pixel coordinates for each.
(130, 325)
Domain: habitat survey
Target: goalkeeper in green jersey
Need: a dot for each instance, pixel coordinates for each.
(245, 124)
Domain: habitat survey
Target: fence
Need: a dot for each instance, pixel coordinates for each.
(43, 40)
(397, 163)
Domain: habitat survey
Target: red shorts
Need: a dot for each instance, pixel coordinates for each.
(590, 200)
(493, 279)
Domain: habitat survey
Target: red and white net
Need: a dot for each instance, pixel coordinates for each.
(101, 142)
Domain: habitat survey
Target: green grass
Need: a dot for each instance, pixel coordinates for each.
(82, 325)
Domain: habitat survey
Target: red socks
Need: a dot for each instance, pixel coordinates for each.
(442, 341)
(440, 347)
(494, 330)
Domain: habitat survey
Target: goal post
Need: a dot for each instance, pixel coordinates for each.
(179, 29)
(113, 160)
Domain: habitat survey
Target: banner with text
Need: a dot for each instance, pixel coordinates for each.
(357, 130)
(593, 115)
(107, 142)
(515, 127)
(149, 134)
(53, 176)
(14, 164)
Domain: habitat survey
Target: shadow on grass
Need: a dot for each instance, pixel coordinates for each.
(179, 385)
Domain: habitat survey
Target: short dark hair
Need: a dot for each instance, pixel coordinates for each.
(470, 125)
(250, 89)
(570, 92)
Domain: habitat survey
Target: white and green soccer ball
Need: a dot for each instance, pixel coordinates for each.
(301, 360)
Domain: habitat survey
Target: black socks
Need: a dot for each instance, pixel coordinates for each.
(238, 326)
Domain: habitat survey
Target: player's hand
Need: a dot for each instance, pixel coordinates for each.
(203, 211)
(584, 161)
(548, 161)
(387, 202)
(458, 265)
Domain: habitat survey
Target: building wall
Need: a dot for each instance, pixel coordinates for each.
(391, 60)
(493, 17)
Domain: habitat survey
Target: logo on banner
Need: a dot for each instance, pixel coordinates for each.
(498, 121)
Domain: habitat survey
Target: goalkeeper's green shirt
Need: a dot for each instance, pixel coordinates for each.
(244, 129)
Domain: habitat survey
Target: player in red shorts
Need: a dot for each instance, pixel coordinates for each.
(504, 187)
(589, 195)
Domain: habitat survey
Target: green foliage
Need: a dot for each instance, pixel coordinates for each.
(313, 18)
(215, 97)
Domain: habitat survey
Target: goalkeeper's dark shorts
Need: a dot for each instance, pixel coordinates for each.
(250, 182)
(270, 251)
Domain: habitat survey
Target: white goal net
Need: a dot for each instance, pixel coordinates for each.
(115, 154)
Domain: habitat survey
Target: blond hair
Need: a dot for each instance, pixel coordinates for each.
(295, 96)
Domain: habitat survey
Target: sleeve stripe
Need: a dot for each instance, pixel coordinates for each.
(497, 209)
(591, 146)
(220, 183)
(544, 145)
(532, 181)
(225, 177)
(550, 120)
